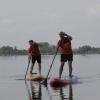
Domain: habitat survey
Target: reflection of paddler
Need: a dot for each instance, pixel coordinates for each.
(34, 91)
(70, 92)
(62, 95)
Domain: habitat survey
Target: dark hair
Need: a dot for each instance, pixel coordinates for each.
(62, 33)
(31, 41)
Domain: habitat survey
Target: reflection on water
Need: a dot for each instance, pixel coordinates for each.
(64, 96)
(34, 90)
(12, 87)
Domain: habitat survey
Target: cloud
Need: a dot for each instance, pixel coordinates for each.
(94, 10)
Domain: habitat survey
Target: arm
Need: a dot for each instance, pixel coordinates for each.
(69, 37)
(29, 56)
(29, 53)
(59, 44)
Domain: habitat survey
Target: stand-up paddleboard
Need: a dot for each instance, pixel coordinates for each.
(34, 77)
(56, 82)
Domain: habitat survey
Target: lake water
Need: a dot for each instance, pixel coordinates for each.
(85, 67)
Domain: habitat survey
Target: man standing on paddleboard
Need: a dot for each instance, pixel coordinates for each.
(34, 55)
(65, 48)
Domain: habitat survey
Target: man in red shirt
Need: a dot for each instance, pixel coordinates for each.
(66, 52)
(34, 55)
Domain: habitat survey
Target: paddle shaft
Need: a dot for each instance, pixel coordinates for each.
(27, 67)
(52, 62)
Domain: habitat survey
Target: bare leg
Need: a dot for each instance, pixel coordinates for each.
(31, 68)
(70, 68)
(61, 69)
(39, 64)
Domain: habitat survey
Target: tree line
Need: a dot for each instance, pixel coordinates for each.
(86, 49)
(47, 48)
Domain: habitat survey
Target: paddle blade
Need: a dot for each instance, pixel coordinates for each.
(44, 82)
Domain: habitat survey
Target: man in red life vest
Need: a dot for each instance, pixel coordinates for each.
(66, 52)
(34, 55)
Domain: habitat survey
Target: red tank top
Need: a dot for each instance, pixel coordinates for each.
(65, 48)
(34, 49)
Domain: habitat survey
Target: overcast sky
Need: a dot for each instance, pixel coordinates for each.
(42, 20)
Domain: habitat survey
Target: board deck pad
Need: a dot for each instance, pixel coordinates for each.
(34, 77)
(65, 80)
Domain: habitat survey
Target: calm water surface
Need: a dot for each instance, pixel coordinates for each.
(86, 67)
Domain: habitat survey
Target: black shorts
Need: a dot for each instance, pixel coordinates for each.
(66, 57)
(36, 58)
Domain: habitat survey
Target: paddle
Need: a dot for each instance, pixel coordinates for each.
(44, 82)
(27, 66)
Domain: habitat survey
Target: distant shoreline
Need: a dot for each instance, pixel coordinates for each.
(47, 49)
